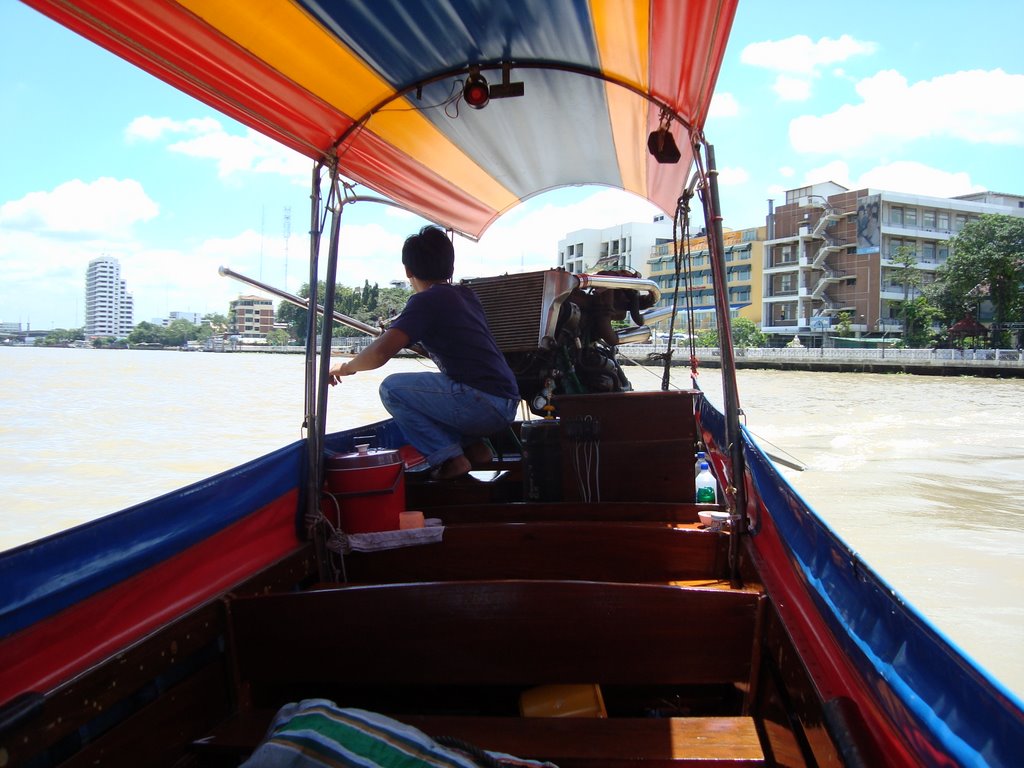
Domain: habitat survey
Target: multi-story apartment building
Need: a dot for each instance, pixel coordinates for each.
(744, 257)
(109, 308)
(830, 251)
(252, 317)
(624, 246)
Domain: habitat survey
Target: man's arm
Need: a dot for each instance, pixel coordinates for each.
(380, 350)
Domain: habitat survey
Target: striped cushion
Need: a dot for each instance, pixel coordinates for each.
(315, 733)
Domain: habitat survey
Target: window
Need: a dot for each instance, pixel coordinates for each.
(910, 217)
(740, 294)
(928, 219)
(959, 222)
(928, 252)
(942, 220)
(740, 273)
(896, 216)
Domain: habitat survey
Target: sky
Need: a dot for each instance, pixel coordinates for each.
(99, 158)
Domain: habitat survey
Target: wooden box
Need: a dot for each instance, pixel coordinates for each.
(628, 446)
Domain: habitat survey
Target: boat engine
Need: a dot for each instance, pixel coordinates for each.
(556, 328)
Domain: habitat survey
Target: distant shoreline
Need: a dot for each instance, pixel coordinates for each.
(919, 362)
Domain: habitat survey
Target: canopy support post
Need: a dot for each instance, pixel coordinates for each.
(315, 407)
(736, 493)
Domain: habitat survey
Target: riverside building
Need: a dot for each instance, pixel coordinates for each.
(744, 257)
(251, 317)
(830, 251)
(624, 246)
(109, 308)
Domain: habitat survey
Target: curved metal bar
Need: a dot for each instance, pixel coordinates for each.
(613, 281)
(638, 334)
(298, 301)
(655, 314)
(665, 108)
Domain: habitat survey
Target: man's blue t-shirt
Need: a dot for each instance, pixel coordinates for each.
(449, 321)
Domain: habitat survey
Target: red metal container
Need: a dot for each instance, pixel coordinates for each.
(367, 488)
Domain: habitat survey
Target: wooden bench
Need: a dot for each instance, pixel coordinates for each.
(597, 551)
(537, 512)
(431, 654)
(568, 742)
(495, 633)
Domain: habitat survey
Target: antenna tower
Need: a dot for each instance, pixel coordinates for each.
(287, 228)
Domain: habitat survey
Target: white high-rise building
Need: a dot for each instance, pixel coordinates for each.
(624, 246)
(109, 308)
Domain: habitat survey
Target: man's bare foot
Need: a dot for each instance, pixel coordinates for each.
(478, 453)
(457, 466)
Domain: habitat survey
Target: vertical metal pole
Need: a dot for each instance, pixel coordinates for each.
(730, 392)
(330, 286)
(314, 438)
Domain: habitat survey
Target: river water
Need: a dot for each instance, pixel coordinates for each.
(923, 476)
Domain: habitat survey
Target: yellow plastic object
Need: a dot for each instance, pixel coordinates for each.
(563, 701)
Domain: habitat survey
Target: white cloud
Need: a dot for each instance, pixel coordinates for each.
(786, 171)
(901, 176)
(105, 207)
(729, 177)
(723, 104)
(800, 54)
(526, 238)
(975, 106)
(147, 128)
(792, 88)
(837, 171)
(919, 179)
(206, 139)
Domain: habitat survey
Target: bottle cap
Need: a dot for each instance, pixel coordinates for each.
(704, 465)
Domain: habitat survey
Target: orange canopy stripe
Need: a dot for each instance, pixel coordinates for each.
(376, 87)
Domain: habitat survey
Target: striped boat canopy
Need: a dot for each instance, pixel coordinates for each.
(380, 87)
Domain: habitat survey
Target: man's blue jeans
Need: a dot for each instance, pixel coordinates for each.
(438, 416)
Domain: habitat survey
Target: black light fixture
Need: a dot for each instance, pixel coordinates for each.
(478, 94)
(475, 92)
(662, 146)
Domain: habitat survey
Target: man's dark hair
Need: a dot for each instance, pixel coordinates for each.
(429, 254)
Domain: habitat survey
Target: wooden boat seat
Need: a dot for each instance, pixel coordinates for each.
(596, 551)
(495, 633)
(538, 512)
(568, 742)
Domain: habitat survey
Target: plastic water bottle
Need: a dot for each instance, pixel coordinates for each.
(707, 486)
(701, 459)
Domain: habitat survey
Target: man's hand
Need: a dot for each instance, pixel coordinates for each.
(339, 370)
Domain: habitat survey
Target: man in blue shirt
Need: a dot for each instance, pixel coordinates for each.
(444, 415)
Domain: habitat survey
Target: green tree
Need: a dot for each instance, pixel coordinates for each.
(213, 323)
(180, 331)
(63, 336)
(745, 333)
(986, 261)
(277, 337)
(707, 338)
(907, 274)
(147, 333)
(370, 304)
(844, 324)
(920, 314)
